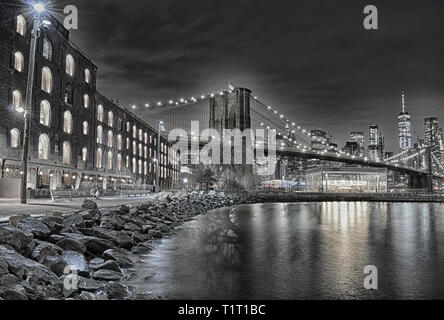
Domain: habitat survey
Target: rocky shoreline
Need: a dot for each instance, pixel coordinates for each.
(86, 255)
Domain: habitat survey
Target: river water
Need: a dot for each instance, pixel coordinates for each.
(301, 251)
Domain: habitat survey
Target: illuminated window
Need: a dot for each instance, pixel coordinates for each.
(99, 158)
(134, 165)
(140, 134)
(46, 80)
(67, 122)
(43, 147)
(68, 94)
(47, 49)
(85, 127)
(66, 153)
(127, 162)
(127, 143)
(119, 162)
(19, 61)
(17, 100)
(110, 138)
(21, 25)
(70, 65)
(134, 148)
(84, 154)
(45, 113)
(85, 100)
(87, 75)
(15, 138)
(119, 142)
(134, 131)
(140, 150)
(140, 167)
(128, 126)
(110, 119)
(145, 138)
(99, 134)
(100, 113)
(145, 168)
(110, 160)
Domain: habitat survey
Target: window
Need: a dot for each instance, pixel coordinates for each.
(66, 153)
(145, 168)
(15, 138)
(134, 148)
(86, 101)
(119, 142)
(128, 126)
(19, 61)
(127, 162)
(21, 25)
(110, 160)
(68, 94)
(110, 119)
(46, 80)
(119, 123)
(47, 49)
(145, 152)
(99, 158)
(67, 122)
(140, 167)
(140, 150)
(84, 154)
(99, 134)
(87, 75)
(110, 138)
(85, 127)
(43, 147)
(70, 65)
(17, 100)
(119, 162)
(134, 131)
(140, 135)
(45, 113)
(100, 113)
(134, 165)
(127, 143)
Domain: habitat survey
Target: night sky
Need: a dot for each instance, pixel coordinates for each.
(311, 59)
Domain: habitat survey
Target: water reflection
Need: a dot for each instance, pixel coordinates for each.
(301, 251)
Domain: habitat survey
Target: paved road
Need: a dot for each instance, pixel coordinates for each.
(10, 207)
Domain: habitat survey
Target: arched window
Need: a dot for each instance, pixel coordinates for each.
(43, 147)
(145, 137)
(100, 113)
(134, 131)
(87, 75)
(99, 158)
(66, 152)
(134, 165)
(68, 94)
(140, 167)
(119, 142)
(119, 162)
(140, 150)
(145, 152)
(19, 61)
(110, 119)
(110, 138)
(67, 122)
(145, 168)
(110, 160)
(140, 134)
(134, 148)
(85, 127)
(47, 49)
(45, 113)
(17, 100)
(15, 138)
(127, 143)
(128, 126)
(127, 162)
(70, 65)
(99, 134)
(84, 154)
(46, 80)
(21, 25)
(86, 100)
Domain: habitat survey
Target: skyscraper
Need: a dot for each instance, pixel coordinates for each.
(404, 128)
(319, 140)
(358, 137)
(431, 131)
(376, 143)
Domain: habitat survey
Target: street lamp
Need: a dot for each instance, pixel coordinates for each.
(39, 8)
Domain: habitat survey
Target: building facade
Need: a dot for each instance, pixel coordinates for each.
(404, 128)
(64, 141)
(358, 137)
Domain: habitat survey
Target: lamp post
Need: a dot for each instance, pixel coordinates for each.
(157, 184)
(38, 9)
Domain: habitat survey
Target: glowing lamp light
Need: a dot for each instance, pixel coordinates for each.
(20, 109)
(39, 7)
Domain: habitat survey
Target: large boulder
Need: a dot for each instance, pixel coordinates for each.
(43, 281)
(74, 220)
(13, 292)
(71, 244)
(108, 265)
(14, 220)
(120, 238)
(3, 267)
(56, 264)
(15, 237)
(34, 226)
(89, 205)
(76, 261)
(117, 291)
(45, 249)
(107, 275)
(120, 258)
(8, 279)
(87, 284)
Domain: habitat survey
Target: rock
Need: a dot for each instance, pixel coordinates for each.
(164, 228)
(3, 267)
(111, 222)
(8, 279)
(137, 237)
(89, 284)
(34, 226)
(108, 265)
(131, 227)
(45, 249)
(94, 262)
(123, 240)
(88, 214)
(54, 238)
(56, 264)
(120, 258)
(15, 237)
(116, 290)
(71, 244)
(107, 275)
(50, 214)
(14, 220)
(13, 292)
(56, 219)
(89, 205)
(98, 246)
(39, 277)
(142, 248)
(74, 220)
(125, 208)
(76, 261)
(52, 225)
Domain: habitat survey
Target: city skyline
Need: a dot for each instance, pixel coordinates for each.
(358, 81)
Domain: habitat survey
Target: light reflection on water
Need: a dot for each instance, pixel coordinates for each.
(301, 251)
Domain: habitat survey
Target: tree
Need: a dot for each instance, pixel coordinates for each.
(203, 175)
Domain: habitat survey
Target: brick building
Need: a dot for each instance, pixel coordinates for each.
(65, 149)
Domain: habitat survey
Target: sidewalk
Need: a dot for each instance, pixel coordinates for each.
(10, 207)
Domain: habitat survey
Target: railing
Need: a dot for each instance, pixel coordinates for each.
(70, 194)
